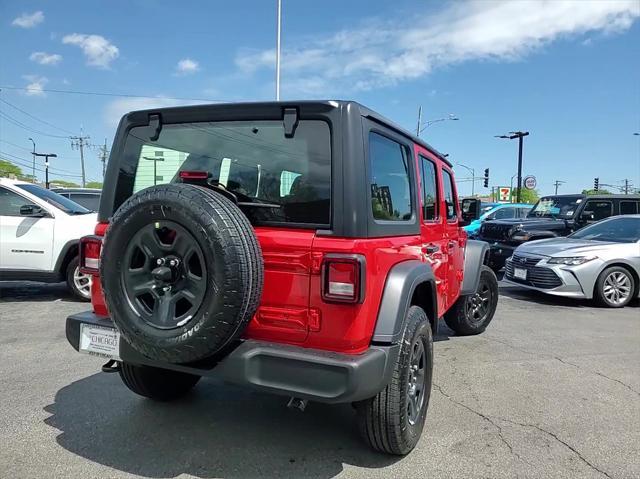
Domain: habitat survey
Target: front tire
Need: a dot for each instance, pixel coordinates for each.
(155, 383)
(79, 284)
(392, 421)
(615, 287)
(472, 314)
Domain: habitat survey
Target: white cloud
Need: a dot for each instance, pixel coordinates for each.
(36, 84)
(187, 66)
(117, 108)
(99, 51)
(28, 20)
(44, 58)
(380, 53)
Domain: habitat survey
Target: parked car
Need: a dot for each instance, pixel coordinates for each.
(552, 216)
(39, 233)
(87, 197)
(601, 261)
(499, 212)
(302, 248)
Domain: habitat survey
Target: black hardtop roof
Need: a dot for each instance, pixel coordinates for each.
(347, 104)
(594, 197)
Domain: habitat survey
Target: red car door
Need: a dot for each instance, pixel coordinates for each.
(454, 237)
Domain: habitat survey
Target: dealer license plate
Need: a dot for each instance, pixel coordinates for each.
(519, 273)
(99, 341)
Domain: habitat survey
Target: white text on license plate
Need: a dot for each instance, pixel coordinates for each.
(519, 273)
(99, 341)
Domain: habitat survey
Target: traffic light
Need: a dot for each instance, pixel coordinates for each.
(486, 177)
(596, 184)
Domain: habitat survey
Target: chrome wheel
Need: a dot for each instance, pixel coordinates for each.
(416, 388)
(616, 287)
(82, 283)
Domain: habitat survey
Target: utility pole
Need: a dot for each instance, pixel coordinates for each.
(79, 142)
(103, 157)
(33, 169)
(278, 50)
(519, 135)
(557, 183)
(46, 165)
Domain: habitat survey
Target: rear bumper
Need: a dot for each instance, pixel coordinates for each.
(277, 368)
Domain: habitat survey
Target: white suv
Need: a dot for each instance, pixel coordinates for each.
(39, 233)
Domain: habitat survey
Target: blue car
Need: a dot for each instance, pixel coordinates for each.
(498, 212)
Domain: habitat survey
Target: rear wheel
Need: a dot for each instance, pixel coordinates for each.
(79, 283)
(615, 287)
(472, 314)
(392, 421)
(155, 383)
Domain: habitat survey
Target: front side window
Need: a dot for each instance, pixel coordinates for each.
(10, 203)
(276, 179)
(598, 210)
(390, 190)
(449, 197)
(429, 189)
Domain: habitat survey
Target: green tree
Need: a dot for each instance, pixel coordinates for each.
(64, 183)
(9, 169)
(94, 184)
(527, 196)
(594, 192)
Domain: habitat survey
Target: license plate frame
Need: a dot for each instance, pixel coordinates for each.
(101, 341)
(520, 273)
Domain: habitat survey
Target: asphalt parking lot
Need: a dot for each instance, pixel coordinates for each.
(551, 389)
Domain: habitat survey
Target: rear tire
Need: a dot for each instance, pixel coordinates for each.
(389, 422)
(155, 383)
(615, 287)
(472, 314)
(79, 284)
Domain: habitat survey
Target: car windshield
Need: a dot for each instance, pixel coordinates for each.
(275, 177)
(555, 207)
(60, 202)
(618, 230)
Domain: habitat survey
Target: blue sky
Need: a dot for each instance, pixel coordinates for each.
(568, 72)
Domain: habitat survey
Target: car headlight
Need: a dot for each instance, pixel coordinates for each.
(571, 260)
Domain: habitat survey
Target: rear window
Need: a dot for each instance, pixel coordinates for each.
(279, 180)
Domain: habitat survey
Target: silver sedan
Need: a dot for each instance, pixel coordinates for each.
(600, 262)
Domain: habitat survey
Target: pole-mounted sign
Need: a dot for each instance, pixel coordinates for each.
(530, 182)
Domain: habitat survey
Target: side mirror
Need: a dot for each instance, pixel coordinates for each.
(32, 211)
(470, 210)
(586, 216)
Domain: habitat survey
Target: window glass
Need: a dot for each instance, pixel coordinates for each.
(254, 160)
(429, 189)
(504, 213)
(10, 203)
(598, 209)
(89, 201)
(449, 197)
(390, 190)
(53, 198)
(523, 212)
(622, 229)
(629, 207)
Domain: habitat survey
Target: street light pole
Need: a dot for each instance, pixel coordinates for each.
(33, 168)
(428, 123)
(46, 165)
(473, 177)
(519, 135)
(279, 21)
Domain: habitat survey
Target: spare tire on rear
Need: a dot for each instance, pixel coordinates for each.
(182, 272)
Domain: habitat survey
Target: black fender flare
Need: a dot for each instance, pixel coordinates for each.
(401, 283)
(475, 254)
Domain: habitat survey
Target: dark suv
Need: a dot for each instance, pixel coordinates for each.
(306, 249)
(550, 217)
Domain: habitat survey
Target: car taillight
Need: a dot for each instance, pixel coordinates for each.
(343, 278)
(90, 247)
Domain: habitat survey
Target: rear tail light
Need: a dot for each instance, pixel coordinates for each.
(343, 278)
(90, 248)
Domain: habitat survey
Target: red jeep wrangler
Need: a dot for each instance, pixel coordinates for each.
(301, 248)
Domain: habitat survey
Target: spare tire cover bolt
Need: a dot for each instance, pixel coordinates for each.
(174, 262)
(160, 261)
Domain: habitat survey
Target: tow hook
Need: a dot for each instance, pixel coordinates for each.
(297, 403)
(111, 366)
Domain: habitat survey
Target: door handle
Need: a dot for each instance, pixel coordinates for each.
(451, 244)
(430, 249)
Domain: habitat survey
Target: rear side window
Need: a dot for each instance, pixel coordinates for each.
(279, 180)
(449, 197)
(390, 190)
(629, 207)
(599, 210)
(429, 189)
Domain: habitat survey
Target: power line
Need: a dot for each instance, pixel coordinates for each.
(16, 158)
(35, 117)
(28, 128)
(123, 95)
